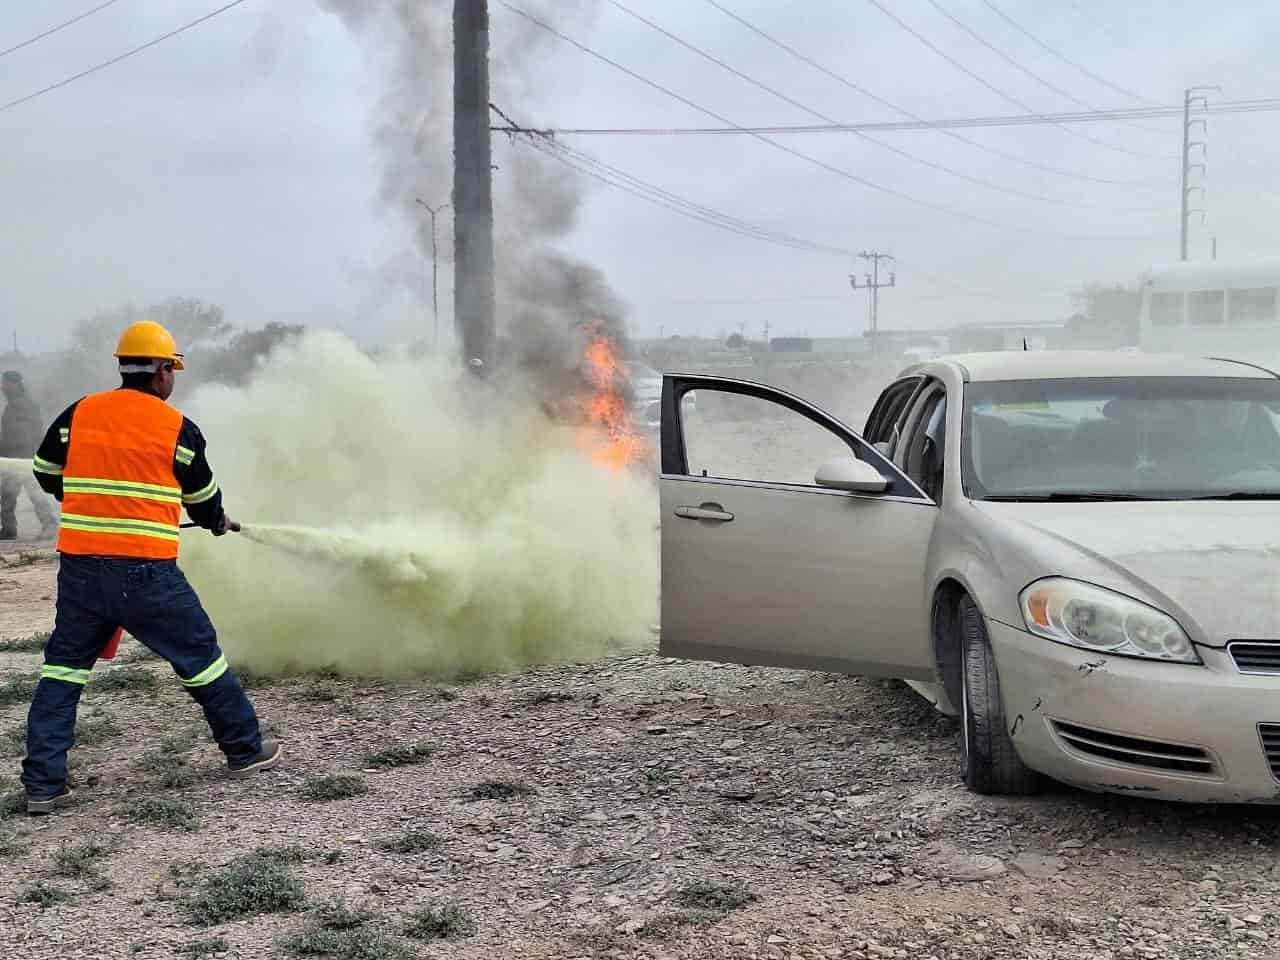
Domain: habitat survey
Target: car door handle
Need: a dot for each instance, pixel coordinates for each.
(707, 511)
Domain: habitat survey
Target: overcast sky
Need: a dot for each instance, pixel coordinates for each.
(235, 163)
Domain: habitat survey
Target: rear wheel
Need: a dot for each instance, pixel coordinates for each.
(989, 761)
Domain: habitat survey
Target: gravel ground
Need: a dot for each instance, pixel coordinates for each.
(636, 807)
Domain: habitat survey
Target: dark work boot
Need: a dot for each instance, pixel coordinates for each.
(267, 758)
(46, 805)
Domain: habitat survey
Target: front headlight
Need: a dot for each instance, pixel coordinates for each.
(1094, 618)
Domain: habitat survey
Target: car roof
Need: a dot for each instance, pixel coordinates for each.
(1078, 364)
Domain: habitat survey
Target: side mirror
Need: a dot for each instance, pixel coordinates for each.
(856, 476)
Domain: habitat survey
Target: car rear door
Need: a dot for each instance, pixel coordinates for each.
(762, 566)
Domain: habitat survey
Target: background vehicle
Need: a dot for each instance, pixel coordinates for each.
(646, 389)
(1066, 549)
(1213, 308)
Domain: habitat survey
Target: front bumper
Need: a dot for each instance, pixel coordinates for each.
(1136, 717)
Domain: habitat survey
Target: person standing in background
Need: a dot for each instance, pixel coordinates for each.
(21, 428)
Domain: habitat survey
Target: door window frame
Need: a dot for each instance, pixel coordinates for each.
(922, 409)
(879, 419)
(674, 453)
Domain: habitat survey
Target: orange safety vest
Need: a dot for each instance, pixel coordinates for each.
(120, 497)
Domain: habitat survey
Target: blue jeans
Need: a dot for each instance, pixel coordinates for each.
(154, 602)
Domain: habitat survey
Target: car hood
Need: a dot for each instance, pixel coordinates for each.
(1212, 565)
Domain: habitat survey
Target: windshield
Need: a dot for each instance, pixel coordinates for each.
(1144, 438)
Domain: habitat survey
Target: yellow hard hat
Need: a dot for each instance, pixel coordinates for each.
(148, 339)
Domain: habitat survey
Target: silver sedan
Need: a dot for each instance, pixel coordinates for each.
(1077, 553)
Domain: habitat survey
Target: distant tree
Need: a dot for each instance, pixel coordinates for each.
(736, 341)
(214, 349)
(235, 362)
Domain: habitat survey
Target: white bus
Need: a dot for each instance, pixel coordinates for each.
(1215, 309)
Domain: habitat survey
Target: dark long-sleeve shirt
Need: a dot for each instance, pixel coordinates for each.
(200, 493)
(19, 426)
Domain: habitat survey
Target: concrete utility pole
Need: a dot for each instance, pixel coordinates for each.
(872, 283)
(435, 252)
(472, 184)
(1194, 96)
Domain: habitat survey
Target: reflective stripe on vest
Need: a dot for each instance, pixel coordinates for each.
(120, 495)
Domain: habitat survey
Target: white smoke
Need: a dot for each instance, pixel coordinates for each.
(459, 530)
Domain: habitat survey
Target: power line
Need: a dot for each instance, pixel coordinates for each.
(845, 174)
(941, 168)
(117, 59)
(1097, 78)
(845, 81)
(978, 77)
(1065, 94)
(62, 26)
(646, 191)
(1097, 25)
(621, 180)
(774, 236)
(1261, 105)
(659, 197)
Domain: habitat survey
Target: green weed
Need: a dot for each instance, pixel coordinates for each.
(12, 804)
(401, 755)
(16, 690)
(338, 786)
(44, 896)
(713, 896)
(338, 916)
(500, 790)
(203, 948)
(253, 884)
(359, 943)
(32, 644)
(11, 845)
(414, 841)
(13, 742)
(170, 771)
(125, 680)
(447, 922)
(162, 812)
(538, 697)
(92, 731)
(666, 924)
(79, 860)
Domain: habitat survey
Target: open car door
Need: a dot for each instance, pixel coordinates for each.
(777, 546)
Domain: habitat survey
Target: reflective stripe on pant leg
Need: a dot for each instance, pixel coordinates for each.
(52, 671)
(231, 717)
(208, 674)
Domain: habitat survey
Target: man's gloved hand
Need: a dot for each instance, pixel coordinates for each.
(224, 524)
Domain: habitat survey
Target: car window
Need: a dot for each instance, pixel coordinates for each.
(731, 436)
(1152, 437)
(925, 448)
(886, 417)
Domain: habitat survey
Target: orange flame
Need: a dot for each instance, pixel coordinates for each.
(614, 442)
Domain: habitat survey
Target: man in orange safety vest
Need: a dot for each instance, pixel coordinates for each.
(124, 464)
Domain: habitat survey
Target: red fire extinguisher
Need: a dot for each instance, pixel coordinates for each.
(109, 651)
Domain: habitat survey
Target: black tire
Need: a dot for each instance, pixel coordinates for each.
(989, 761)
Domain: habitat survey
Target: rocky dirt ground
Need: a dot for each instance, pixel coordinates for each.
(638, 807)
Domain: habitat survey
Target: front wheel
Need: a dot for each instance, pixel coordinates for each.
(989, 761)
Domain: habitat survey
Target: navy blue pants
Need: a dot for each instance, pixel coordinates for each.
(154, 602)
